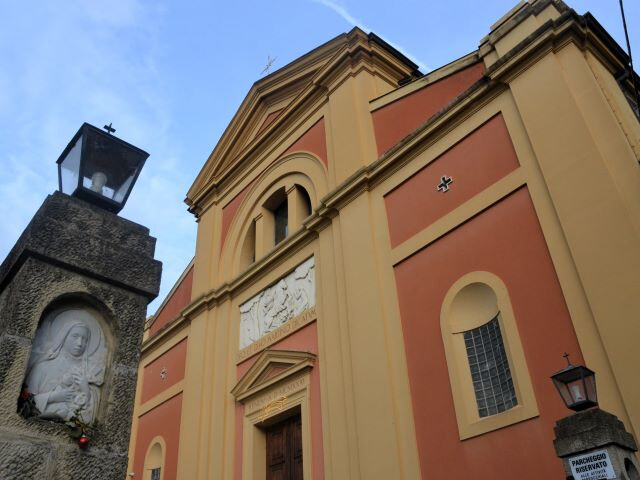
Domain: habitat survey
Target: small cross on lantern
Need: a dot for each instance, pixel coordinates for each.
(445, 181)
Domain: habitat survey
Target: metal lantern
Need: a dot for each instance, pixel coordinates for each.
(577, 386)
(99, 168)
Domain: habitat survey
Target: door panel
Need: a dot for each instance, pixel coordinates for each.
(284, 450)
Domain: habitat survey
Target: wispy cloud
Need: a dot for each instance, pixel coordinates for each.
(344, 13)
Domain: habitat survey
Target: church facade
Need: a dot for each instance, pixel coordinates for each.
(390, 265)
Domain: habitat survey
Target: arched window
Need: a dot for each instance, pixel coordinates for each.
(487, 369)
(490, 372)
(277, 206)
(154, 461)
(276, 218)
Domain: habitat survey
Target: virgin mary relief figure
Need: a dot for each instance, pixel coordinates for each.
(67, 365)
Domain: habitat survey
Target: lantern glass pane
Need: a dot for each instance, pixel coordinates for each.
(70, 168)
(577, 391)
(590, 383)
(564, 392)
(109, 168)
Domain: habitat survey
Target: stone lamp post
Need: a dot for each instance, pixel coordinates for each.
(593, 444)
(73, 297)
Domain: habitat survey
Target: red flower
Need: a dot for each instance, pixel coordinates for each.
(25, 394)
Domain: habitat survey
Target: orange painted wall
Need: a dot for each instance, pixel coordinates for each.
(164, 421)
(180, 298)
(476, 162)
(314, 141)
(304, 340)
(396, 120)
(173, 360)
(507, 241)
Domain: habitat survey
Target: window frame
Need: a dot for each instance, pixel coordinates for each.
(157, 470)
(470, 424)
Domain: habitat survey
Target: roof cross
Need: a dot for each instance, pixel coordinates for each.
(268, 66)
(109, 129)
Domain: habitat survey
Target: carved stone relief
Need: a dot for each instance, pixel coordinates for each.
(276, 305)
(67, 365)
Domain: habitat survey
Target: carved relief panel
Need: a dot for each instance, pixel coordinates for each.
(276, 305)
(67, 365)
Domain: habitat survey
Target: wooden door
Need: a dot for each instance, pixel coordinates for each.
(284, 450)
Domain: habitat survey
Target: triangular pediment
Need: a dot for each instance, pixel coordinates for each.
(273, 101)
(268, 104)
(272, 367)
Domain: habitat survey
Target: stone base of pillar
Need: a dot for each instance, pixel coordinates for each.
(595, 445)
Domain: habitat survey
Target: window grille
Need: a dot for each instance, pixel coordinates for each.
(490, 371)
(155, 473)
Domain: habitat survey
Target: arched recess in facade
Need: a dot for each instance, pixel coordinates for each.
(52, 360)
(300, 168)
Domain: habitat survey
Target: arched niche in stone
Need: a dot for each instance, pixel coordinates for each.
(69, 363)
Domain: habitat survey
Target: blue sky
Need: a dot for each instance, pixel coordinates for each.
(171, 74)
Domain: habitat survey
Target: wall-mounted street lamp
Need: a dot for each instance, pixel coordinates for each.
(99, 168)
(576, 385)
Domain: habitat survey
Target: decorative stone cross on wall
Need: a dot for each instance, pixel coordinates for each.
(163, 373)
(445, 181)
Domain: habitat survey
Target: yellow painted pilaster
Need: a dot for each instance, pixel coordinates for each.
(379, 452)
(192, 411)
(339, 428)
(593, 214)
(205, 252)
(350, 127)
